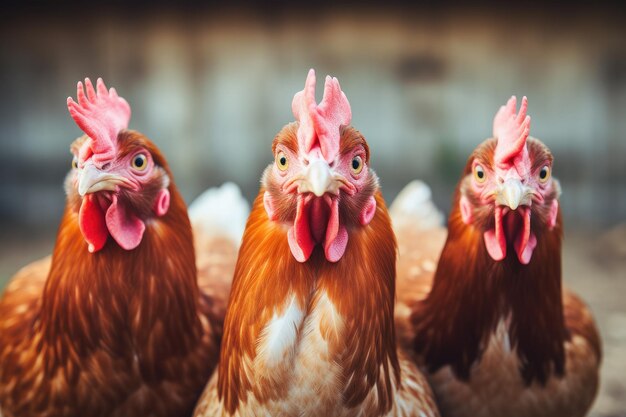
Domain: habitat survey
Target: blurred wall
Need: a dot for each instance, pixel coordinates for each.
(212, 87)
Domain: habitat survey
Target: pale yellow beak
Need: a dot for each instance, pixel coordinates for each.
(318, 178)
(91, 180)
(512, 193)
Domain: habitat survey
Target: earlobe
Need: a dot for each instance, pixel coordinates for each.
(162, 203)
(554, 211)
(269, 208)
(466, 210)
(367, 214)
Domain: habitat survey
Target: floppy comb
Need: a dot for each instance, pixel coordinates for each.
(511, 131)
(101, 114)
(320, 123)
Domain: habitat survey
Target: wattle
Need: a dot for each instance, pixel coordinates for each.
(92, 224)
(512, 227)
(317, 221)
(99, 218)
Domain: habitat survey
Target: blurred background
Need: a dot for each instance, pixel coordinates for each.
(211, 86)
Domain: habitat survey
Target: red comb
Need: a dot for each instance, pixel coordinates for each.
(101, 116)
(320, 123)
(511, 130)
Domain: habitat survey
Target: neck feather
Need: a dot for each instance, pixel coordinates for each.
(471, 293)
(360, 286)
(115, 298)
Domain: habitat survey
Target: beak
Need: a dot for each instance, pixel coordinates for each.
(512, 193)
(317, 178)
(91, 180)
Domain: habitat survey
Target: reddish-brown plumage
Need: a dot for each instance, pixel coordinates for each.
(547, 329)
(360, 286)
(477, 292)
(354, 286)
(255, 293)
(342, 359)
(115, 332)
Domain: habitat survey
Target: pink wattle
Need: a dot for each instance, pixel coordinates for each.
(494, 248)
(126, 228)
(525, 253)
(335, 249)
(336, 235)
(299, 235)
(523, 239)
(92, 224)
(495, 240)
(317, 221)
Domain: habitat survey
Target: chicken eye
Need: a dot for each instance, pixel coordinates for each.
(357, 164)
(544, 174)
(140, 162)
(479, 174)
(281, 161)
(74, 163)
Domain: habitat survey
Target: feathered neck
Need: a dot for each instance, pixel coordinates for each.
(121, 300)
(361, 287)
(471, 293)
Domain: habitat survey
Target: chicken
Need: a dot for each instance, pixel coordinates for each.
(492, 324)
(309, 328)
(117, 322)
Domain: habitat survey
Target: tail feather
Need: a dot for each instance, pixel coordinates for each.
(414, 208)
(220, 212)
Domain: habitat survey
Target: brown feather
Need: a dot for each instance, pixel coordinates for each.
(115, 332)
(256, 292)
(360, 288)
(471, 294)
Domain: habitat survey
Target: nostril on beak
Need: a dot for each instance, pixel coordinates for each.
(319, 177)
(511, 193)
(512, 197)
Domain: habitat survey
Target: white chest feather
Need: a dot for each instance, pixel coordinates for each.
(298, 359)
(293, 360)
(496, 387)
(301, 354)
(294, 352)
(278, 338)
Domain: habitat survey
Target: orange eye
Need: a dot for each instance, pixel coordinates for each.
(479, 174)
(140, 162)
(74, 163)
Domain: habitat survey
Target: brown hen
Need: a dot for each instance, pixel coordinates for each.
(119, 321)
(492, 325)
(309, 329)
